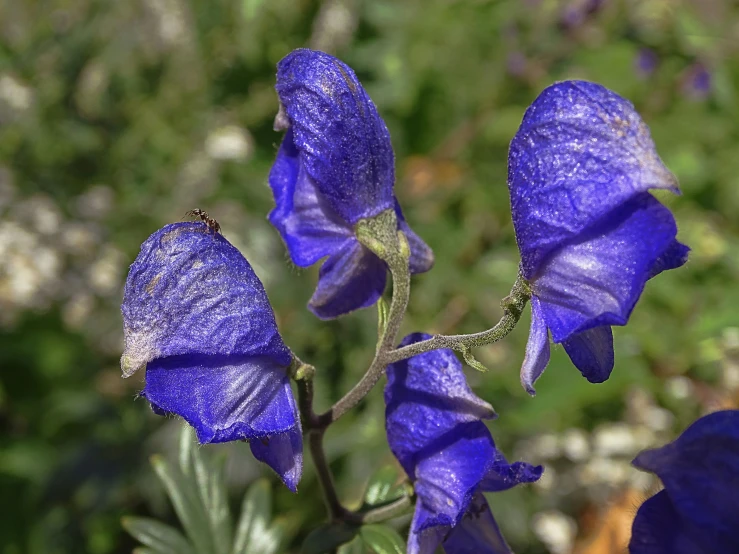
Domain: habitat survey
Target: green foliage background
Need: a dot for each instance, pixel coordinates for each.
(127, 99)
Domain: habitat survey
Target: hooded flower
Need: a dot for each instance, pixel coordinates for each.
(434, 428)
(335, 166)
(698, 510)
(197, 317)
(590, 234)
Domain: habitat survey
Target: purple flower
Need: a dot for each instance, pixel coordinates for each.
(646, 62)
(590, 234)
(434, 428)
(335, 166)
(697, 82)
(197, 317)
(698, 510)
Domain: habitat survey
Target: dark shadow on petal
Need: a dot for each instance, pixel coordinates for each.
(351, 279)
(592, 353)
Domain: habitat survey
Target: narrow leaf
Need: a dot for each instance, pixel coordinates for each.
(255, 514)
(328, 537)
(357, 546)
(159, 537)
(218, 517)
(220, 514)
(187, 504)
(383, 486)
(472, 361)
(187, 440)
(382, 539)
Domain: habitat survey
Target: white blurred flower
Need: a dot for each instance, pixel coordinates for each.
(556, 530)
(229, 143)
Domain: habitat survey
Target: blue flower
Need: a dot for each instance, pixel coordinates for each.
(197, 317)
(698, 510)
(335, 166)
(590, 234)
(434, 428)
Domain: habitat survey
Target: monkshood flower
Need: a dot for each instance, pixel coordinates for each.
(435, 429)
(197, 317)
(698, 510)
(590, 234)
(335, 167)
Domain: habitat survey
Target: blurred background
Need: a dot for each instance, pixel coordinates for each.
(118, 117)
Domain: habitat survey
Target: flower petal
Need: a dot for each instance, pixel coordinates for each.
(283, 453)
(657, 529)
(675, 256)
(343, 142)
(581, 151)
(598, 279)
(592, 353)
(699, 471)
(224, 398)
(190, 292)
(501, 476)
(227, 398)
(427, 398)
(351, 279)
(449, 469)
(310, 228)
(477, 532)
(428, 540)
(537, 349)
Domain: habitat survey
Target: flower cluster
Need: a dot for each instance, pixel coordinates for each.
(590, 233)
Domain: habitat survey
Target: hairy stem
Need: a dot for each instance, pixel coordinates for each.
(401, 293)
(512, 305)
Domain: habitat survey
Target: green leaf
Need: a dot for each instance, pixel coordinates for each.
(210, 482)
(355, 547)
(159, 537)
(186, 447)
(382, 539)
(472, 361)
(187, 504)
(383, 486)
(252, 534)
(217, 505)
(328, 537)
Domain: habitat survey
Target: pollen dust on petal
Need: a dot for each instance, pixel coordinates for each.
(140, 349)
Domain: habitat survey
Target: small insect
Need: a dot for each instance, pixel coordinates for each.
(212, 224)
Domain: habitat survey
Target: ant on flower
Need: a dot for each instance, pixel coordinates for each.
(211, 223)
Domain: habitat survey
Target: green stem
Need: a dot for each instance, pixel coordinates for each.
(400, 273)
(512, 305)
(336, 511)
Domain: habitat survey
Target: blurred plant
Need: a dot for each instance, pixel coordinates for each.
(590, 235)
(196, 487)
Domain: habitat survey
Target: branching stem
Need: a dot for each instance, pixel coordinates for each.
(380, 236)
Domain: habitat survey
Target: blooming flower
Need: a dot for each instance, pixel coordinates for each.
(590, 234)
(435, 429)
(698, 510)
(335, 166)
(197, 317)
